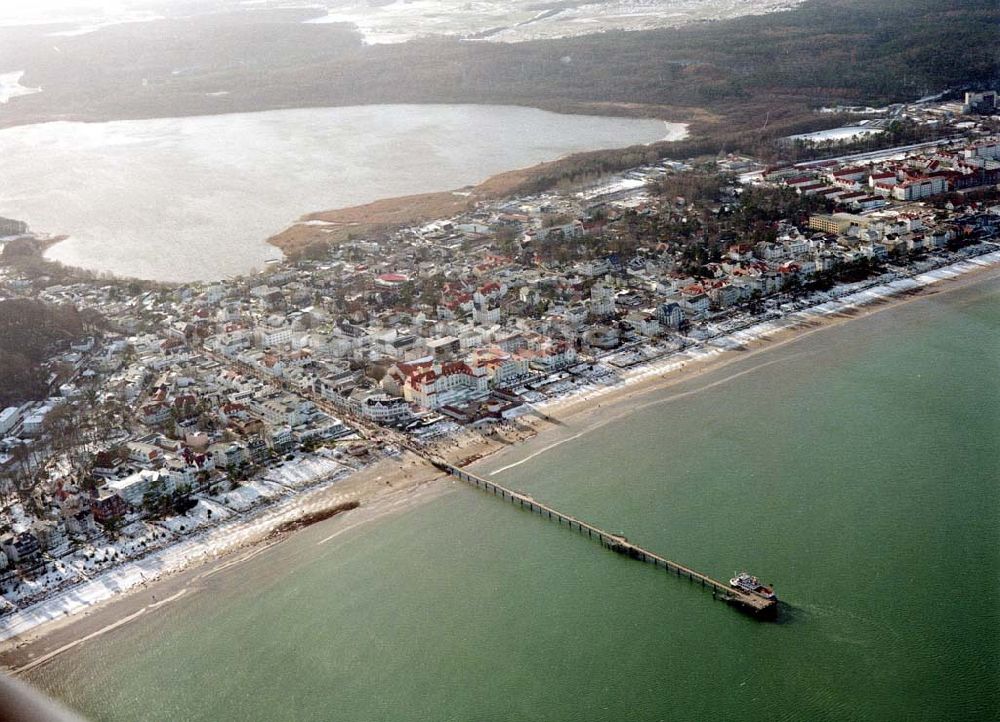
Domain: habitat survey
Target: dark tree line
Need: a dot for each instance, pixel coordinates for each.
(29, 330)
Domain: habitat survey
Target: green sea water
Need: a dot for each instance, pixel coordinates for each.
(856, 469)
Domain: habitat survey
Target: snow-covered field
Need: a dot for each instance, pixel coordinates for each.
(10, 86)
(397, 21)
(519, 20)
(84, 16)
(838, 135)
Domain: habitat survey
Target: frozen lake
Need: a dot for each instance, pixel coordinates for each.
(195, 198)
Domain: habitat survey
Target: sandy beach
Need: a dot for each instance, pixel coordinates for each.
(574, 415)
(393, 485)
(382, 487)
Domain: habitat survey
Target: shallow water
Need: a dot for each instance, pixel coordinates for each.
(856, 469)
(181, 199)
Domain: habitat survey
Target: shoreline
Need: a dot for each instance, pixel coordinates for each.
(34, 262)
(691, 115)
(382, 489)
(661, 376)
(330, 226)
(208, 551)
(327, 227)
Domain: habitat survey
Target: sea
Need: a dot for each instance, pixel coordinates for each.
(856, 469)
(195, 198)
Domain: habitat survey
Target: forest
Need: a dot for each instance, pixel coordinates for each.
(821, 52)
(28, 332)
(744, 74)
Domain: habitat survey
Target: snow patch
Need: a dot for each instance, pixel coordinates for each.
(10, 86)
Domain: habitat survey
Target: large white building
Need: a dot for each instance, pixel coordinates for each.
(443, 384)
(384, 409)
(547, 355)
(502, 368)
(134, 486)
(917, 188)
(670, 314)
(34, 422)
(283, 410)
(485, 314)
(274, 335)
(9, 419)
(432, 384)
(602, 301)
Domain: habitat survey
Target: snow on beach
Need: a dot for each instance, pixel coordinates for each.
(304, 471)
(249, 494)
(208, 536)
(201, 535)
(204, 513)
(843, 299)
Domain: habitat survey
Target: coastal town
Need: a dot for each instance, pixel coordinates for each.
(176, 414)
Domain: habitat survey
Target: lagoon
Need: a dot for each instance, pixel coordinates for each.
(182, 199)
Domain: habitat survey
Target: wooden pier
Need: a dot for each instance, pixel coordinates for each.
(752, 603)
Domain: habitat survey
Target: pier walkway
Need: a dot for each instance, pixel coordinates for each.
(752, 603)
(748, 602)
